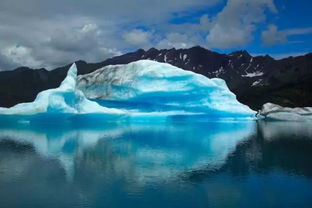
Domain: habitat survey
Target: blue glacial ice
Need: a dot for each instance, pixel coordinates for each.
(151, 88)
(64, 99)
(158, 87)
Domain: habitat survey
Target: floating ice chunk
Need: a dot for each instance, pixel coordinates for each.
(158, 90)
(275, 112)
(64, 99)
(162, 85)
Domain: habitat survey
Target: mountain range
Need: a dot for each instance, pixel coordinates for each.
(254, 79)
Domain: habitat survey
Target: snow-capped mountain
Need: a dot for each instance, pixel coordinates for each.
(255, 80)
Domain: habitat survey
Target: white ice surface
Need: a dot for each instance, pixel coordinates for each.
(161, 84)
(155, 84)
(64, 99)
(275, 112)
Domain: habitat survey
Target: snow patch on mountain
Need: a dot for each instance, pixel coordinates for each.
(256, 83)
(253, 74)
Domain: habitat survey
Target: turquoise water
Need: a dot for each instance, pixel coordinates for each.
(177, 162)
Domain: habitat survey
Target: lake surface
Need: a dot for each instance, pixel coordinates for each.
(174, 163)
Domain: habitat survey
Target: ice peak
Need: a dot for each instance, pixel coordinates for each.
(69, 83)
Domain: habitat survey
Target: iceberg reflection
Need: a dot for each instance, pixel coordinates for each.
(183, 164)
(138, 151)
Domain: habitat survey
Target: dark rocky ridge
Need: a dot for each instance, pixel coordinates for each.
(255, 80)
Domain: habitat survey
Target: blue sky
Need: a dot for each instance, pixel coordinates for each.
(46, 33)
(290, 16)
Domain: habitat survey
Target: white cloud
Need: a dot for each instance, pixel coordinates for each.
(54, 33)
(6, 63)
(20, 54)
(58, 44)
(177, 40)
(113, 10)
(235, 24)
(137, 37)
(273, 36)
(58, 32)
(205, 22)
(184, 35)
(82, 38)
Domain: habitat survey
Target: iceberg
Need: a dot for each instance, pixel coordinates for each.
(161, 87)
(136, 90)
(64, 99)
(272, 111)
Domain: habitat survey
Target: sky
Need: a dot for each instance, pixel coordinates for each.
(52, 33)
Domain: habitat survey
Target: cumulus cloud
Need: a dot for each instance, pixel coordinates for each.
(273, 36)
(83, 38)
(184, 35)
(235, 24)
(137, 37)
(20, 54)
(121, 10)
(6, 63)
(48, 34)
(57, 44)
(54, 33)
(177, 40)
